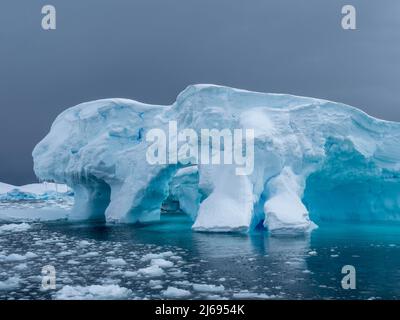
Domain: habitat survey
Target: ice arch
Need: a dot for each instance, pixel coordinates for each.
(92, 197)
(310, 154)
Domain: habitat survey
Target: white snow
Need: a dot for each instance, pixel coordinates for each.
(284, 207)
(41, 188)
(233, 195)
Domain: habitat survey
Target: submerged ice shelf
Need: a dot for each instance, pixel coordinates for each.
(314, 160)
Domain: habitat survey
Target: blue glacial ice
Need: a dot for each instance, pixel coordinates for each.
(315, 160)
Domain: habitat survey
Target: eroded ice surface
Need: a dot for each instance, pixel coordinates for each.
(315, 160)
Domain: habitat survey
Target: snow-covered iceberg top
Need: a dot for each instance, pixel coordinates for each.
(313, 160)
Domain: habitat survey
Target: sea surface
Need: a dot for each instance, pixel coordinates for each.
(167, 260)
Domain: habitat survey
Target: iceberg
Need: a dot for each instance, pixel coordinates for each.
(35, 202)
(33, 192)
(314, 160)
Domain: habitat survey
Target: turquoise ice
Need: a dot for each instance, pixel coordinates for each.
(315, 160)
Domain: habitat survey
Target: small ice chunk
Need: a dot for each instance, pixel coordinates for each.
(90, 254)
(245, 294)
(174, 293)
(116, 262)
(84, 243)
(130, 274)
(162, 263)
(161, 255)
(21, 266)
(9, 284)
(17, 257)
(93, 292)
(208, 288)
(152, 271)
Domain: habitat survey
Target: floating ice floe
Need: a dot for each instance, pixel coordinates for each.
(208, 288)
(151, 271)
(11, 283)
(15, 257)
(175, 293)
(93, 292)
(162, 263)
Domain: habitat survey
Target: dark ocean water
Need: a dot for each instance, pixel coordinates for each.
(142, 262)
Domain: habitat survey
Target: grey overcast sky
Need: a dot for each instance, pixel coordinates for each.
(150, 50)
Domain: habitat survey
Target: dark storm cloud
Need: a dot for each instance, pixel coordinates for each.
(150, 50)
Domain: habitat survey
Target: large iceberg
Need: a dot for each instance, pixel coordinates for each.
(314, 160)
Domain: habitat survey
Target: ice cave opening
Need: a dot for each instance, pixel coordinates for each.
(351, 188)
(92, 196)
